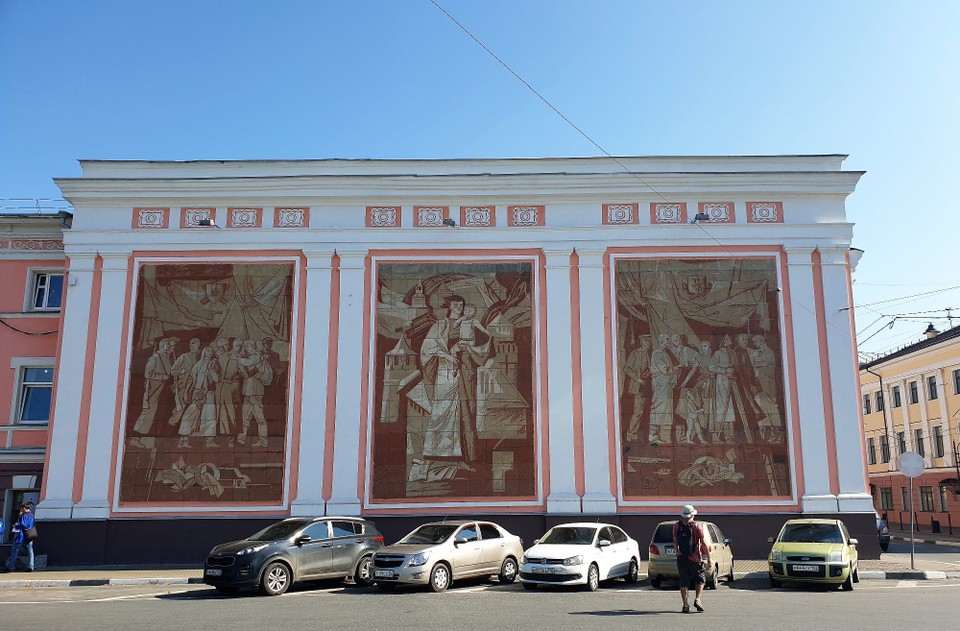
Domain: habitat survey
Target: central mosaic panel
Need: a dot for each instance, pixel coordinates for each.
(454, 381)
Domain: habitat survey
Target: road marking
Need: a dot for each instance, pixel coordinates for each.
(83, 600)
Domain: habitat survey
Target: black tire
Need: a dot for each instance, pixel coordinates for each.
(593, 578)
(276, 579)
(387, 587)
(848, 584)
(774, 583)
(730, 576)
(531, 586)
(227, 590)
(633, 573)
(714, 578)
(363, 575)
(440, 577)
(655, 582)
(508, 571)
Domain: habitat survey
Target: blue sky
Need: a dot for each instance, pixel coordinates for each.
(877, 80)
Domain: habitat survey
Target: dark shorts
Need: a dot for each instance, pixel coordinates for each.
(692, 573)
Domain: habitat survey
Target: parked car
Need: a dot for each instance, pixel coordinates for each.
(663, 557)
(292, 550)
(814, 550)
(883, 533)
(438, 553)
(580, 554)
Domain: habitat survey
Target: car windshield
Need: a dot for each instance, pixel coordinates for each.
(812, 533)
(278, 531)
(431, 533)
(569, 535)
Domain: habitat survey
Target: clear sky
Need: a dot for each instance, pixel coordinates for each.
(179, 80)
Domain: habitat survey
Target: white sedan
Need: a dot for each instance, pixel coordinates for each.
(580, 554)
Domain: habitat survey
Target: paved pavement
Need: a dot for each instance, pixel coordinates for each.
(870, 569)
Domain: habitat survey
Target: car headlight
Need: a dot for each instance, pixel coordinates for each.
(835, 556)
(523, 560)
(574, 560)
(252, 549)
(776, 555)
(418, 559)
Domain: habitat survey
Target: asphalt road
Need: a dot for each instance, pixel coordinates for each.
(927, 556)
(744, 605)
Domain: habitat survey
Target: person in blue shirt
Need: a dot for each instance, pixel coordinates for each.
(24, 522)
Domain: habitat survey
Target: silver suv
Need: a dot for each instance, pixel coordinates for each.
(438, 553)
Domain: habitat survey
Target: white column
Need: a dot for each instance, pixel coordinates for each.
(924, 420)
(948, 460)
(888, 423)
(597, 497)
(563, 496)
(61, 457)
(94, 503)
(854, 495)
(817, 497)
(346, 457)
(905, 424)
(313, 397)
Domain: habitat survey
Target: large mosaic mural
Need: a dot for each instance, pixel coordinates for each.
(453, 390)
(207, 405)
(701, 389)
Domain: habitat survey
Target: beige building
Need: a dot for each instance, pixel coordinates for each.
(911, 402)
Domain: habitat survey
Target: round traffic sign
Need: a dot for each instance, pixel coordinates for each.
(911, 464)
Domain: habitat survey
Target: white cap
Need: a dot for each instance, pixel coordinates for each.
(688, 511)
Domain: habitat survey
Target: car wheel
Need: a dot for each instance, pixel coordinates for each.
(530, 586)
(508, 571)
(386, 587)
(655, 582)
(848, 584)
(227, 590)
(593, 577)
(633, 574)
(856, 573)
(774, 583)
(730, 577)
(439, 577)
(713, 578)
(363, 576)
(275, 579)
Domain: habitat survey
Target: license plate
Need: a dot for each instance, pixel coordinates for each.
(806, 568)
(214, 572)
(546, 570)
(671, 552)
(383, 574)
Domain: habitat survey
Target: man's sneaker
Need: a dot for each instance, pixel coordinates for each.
(698, 605)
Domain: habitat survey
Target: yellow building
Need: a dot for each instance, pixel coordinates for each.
(911, 402)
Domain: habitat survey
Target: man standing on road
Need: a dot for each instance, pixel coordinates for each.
(692, 552)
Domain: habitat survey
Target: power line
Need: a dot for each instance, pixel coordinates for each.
(925, 293)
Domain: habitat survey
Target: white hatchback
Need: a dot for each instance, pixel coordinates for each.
(581, 554)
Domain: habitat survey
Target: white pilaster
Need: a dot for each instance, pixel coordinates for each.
(905, 428)
(597, 497)
(948, 459)
(94, 502)
(563, 496)
(345, 499)
(851, 470)
(817, 497)
(57, 501)
(924, 421)
(313, 398)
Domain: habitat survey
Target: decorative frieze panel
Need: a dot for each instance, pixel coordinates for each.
(525, 216)
(430, 216)
(673, 212)
(383, 216)
(245, 217)
(620, 214)
(478, 216)
(192, 217)
(291, 217)
(151, 218)
(718, 212)
(764, 212)
(31, 245)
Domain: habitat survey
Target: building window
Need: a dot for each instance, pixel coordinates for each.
(901, 442)
(956, 381)
(926, 499)
(932, 388)
(918, 441)
(943, 498)
(896, 397)
(866, 404)
(937, 441)
(914, 397)
(871, 451)
(33, 392)
(879, 401)
(904, 498)
(886, 498)
(885, 448)
(47, 291)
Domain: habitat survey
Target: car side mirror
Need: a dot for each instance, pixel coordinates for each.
(460, 540)
(854, 542)
(603, 543)
(770, 540)
(302, 539)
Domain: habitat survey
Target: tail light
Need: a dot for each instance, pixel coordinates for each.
(654, 549)
(378, 538)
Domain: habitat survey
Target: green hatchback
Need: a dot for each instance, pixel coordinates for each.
(814, 551)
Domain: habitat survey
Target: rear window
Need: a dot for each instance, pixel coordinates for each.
(664, 533)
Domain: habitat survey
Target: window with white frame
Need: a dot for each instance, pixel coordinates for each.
(896, 396)
(914, 396)
(879, 395)
(886, 498)
(943, 498)
(46, 291)
(938, 441)
(34, 390)
(926, 499)
(931, 388)
(871, 450)
(904, 498)
(956, 381)
(866, 404)
(918, 442)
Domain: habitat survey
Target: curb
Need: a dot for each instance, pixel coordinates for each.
(937, 542)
